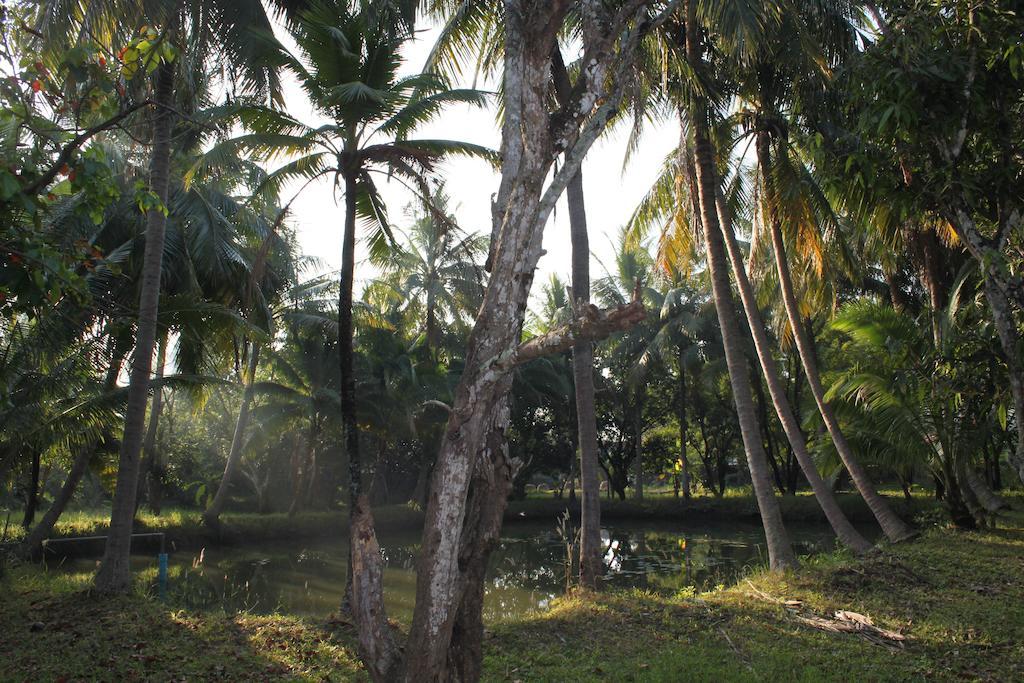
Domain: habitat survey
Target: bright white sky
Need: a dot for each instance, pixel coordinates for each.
(611, 193)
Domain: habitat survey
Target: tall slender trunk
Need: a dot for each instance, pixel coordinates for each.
(346, 352)
(780, 550)
(432, 330)
(681, 418)
(894, 528)
(114, 575)
(1009, 343)
(346, 363)
(896, 296)
(931, 273)
(33, 542)
(147, 470)
(211, 517)
(591, 567)
(844, 530)
(32, 498)
(638, 449)
(770, 449)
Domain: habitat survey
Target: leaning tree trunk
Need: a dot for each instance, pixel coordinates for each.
(844, 530)
(986, 497)
(211, 517)
(149, 454)
(780, 550)
(33, 542)
(1009, 343)
(114, 575)
(894, 528)
(591, 567)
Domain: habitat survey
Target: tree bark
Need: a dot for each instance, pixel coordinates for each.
(114, 575)
(896, 296)
(211, 517)
(931, 273)
(591, 567)
(987, 498)
(147, 471)
(346, 362)
(1009, 344)
(469, 491)
(32, 498)
(780, 550)
(33, 542)
(844, 530)
(681, 418)
(893, 527)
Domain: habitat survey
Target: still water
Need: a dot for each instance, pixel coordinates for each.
(527, 570)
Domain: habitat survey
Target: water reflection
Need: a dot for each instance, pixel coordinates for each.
(527, 570)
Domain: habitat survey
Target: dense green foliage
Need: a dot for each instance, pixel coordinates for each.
(866, 156)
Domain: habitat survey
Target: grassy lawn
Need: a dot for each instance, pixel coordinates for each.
(954, 595)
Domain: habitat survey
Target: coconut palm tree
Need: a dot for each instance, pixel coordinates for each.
(179, 38)
(700, 116)
(909, 404)
(631, 277)
(439, 269)
(348, 63)
(772, 85)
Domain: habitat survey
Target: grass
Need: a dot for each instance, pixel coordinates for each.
(955, 595)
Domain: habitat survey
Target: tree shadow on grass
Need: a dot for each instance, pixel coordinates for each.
(73, 636)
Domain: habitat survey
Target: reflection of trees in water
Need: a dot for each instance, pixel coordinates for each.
(526, 572)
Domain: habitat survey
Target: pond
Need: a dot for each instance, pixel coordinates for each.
(527, 570)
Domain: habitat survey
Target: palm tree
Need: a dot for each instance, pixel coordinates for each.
(301, 395)
(210, 28)
(439, 269)
(847, 534)
(789, 200)
(910, 405)
(699, 116)
(631, 277)
(348, 63)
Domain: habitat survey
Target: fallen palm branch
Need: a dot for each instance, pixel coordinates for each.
(843, 621)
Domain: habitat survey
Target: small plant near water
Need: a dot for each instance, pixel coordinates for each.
(570, 537)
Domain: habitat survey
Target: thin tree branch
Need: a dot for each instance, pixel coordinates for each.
(69, 149)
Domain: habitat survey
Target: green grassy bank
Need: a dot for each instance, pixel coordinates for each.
(738, 505)
(185, 530)
(955, 597)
